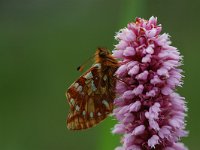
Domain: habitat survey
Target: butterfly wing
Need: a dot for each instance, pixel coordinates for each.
(89, 100)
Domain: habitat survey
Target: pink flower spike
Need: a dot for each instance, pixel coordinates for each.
(122, 70)
(134, 70)
(135, 106)
(119, 129)
(122, 45)
(151, 33)
(143, 75)
(128, 95)
(153, 21)
(150, 50)
(139, 130)
(138, 90)
(118, 53)
(119, 148)
(146, 59)
(129, 51)
(166, 90)
(153, 141)
(126, 35)
(151, 114)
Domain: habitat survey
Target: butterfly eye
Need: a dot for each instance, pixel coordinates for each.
(103, 52)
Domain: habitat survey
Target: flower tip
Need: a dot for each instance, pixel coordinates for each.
(153, 20)
(154, 140)
(149, 64)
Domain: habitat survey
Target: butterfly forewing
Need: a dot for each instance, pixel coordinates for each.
(89, 99)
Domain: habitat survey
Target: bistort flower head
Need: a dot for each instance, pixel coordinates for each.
(151, 114)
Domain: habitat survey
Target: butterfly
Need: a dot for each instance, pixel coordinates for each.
(91, 96)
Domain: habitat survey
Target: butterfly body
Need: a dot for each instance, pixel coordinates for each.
(91, 96)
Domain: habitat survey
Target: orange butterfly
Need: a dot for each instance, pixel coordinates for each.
(91, 96)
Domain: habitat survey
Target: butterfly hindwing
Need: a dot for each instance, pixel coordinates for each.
(89, 99)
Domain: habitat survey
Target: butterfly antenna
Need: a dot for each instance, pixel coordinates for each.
(81, 67)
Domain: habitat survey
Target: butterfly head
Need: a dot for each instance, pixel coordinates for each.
(102, 52)
(105, 58)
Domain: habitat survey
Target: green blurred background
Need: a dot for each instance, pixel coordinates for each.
(43, 41)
